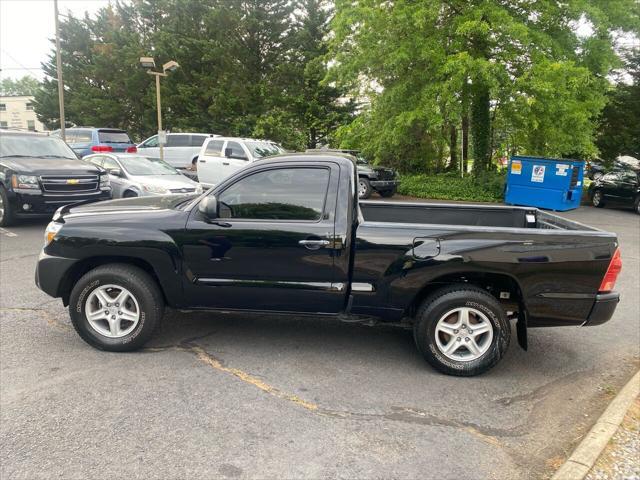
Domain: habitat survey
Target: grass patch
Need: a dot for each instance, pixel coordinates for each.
(449, 186)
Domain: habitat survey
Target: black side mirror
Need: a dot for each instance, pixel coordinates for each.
(209, 207)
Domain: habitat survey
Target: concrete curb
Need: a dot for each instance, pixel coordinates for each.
(586, 454)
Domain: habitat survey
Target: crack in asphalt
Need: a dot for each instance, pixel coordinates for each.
(48, 316)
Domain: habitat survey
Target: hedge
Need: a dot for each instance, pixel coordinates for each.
(449, 186)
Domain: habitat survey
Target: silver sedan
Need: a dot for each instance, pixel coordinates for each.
(133, 175)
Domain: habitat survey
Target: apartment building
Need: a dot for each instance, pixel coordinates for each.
(16, 111)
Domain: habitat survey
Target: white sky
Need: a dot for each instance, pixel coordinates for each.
(25, 29)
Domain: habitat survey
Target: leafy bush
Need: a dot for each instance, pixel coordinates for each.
(488, 187)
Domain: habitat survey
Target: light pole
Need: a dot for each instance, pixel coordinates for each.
(149, 63)
(59, 68)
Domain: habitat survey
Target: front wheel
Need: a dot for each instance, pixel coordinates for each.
(636, 204)
(6, 214)
(116, 307)
(597, 199)
(364, 188)
(462, 330)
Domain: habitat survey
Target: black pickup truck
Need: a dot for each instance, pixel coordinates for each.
(288, 235)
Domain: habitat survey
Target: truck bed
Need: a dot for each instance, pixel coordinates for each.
(496, 216)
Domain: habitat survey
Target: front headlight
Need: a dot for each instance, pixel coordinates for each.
(51, 231)
(25, 181)
(155, 189)
(104, 181)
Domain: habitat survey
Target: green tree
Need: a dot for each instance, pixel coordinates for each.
(619, 125)
(20, 86)
(419, 62)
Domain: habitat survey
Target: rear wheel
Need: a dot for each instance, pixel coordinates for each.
(364, 188)
(6, 214)
(116, 307)
(597, 199)
(462, 330)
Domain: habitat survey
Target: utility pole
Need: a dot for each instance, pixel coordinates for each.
(159, 109)
(59, 69)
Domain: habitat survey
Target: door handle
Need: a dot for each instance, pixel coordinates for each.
(225, 163)
(202, 161)
(314, 244)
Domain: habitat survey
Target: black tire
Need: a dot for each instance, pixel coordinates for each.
(129, 194)
(597, 199)
(436, 306)
(6, 214)
(387, 193)
(146, 292)
(636, 204)
(364, 188)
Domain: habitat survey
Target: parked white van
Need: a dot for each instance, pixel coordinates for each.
(181, 150)
(222, 156)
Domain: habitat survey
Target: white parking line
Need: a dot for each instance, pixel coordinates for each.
(8, 233)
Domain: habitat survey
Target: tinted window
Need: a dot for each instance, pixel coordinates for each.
(214, 147)
(236, 150)
(197, 140)
(279, 194)
(178, 141)
(113, 136)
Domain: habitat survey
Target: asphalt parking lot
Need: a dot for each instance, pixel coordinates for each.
(231, 396)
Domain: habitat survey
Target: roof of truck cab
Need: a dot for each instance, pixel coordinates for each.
(310, 156)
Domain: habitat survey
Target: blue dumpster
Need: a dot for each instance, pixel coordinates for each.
(551, 183)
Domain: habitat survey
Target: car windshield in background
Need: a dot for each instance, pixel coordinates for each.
(34, 146)
(107, 136)
(264, 149)
(146, 166)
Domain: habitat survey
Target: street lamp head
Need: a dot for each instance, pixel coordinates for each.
(170, 66)
(147, 62)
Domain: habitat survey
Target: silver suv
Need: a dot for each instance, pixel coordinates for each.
(181, 150)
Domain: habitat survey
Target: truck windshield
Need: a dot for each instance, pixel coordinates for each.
(34, 146)
(136, 165)
(264, 149)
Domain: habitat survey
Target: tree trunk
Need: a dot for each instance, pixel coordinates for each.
(465, 141)
(480, 127)
(453, 148)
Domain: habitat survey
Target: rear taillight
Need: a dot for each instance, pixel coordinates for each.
(101, 148)
(133, 149)
(609, 280)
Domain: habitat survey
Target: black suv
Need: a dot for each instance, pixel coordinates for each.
(619, 187)
(39, 173)
(380, 179)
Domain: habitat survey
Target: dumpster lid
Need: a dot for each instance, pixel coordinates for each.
(545, 159)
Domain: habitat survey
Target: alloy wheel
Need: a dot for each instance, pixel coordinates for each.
(597, 198)
(112, 311)
(464, 334)
(362, 188)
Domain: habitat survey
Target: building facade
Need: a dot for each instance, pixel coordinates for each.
(16, 111)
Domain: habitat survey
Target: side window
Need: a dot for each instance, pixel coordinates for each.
(178, 141)
(152, 142)
(236, 151)
(278, 194)
(214, 148)
(197, 140)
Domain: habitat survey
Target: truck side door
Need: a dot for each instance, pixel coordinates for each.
(210, 162)
(271, 247)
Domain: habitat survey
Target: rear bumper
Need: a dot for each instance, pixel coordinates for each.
(602, 309)
(51, 272)
(384, 184)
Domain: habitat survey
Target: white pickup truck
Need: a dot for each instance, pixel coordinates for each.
(219, 157)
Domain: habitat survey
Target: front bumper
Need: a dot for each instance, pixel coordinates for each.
(51, 272)
(30, 204)
(602, 309)
(384, 184)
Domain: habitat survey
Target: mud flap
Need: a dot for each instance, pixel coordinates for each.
(521, 328)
